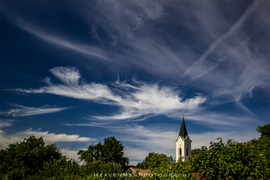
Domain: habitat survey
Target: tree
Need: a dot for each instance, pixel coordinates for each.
(25, 158)
(195, 151)
(110, 151)
(175, 170)
(154, 161)
(60, 168)
(233, 160)
(264, 130)
(100, 167)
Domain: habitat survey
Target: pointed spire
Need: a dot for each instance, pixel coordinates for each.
(183, 130)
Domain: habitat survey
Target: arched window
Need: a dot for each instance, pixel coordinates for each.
(187, 151)
(180, 152)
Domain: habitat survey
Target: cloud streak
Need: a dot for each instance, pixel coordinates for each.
(122, 21)
(232, 64)
(5, 123)
(87, 50)
(20, 110)
(214, 55)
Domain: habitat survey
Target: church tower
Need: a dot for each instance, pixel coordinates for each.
(183, 143)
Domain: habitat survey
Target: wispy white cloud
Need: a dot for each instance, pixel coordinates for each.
(120, 25)
(153, 99)
(69, 76)
(126, 20)
(122, 21)
(55, 39)
(231, 46)
(239, 103)
(229, 43)
(20, 110)
(143, 99)
(7, 138)
(5, 123)
(73, 45)
(232, 64)
(213, 56)
(219, 120)
(52, 137)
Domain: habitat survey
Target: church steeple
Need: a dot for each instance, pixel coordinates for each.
(183, 143)
(183, 130)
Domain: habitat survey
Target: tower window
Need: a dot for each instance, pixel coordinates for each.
(187, 151)
(180, 152)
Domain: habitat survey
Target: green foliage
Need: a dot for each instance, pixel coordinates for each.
(174, 170)
(264, 130)
(155, 161)
(110, 151)
(59, 168)
(195, 151)
(27, 157)
(233, 160)
(65, 177)
(100, 167)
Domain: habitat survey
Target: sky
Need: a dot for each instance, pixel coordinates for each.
(76, 72)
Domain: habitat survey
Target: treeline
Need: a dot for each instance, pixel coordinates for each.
(32, 159)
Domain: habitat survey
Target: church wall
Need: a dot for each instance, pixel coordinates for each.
(185, 148)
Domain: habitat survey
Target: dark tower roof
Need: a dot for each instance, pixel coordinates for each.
(183, 130)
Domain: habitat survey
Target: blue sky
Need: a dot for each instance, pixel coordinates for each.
(75, 72)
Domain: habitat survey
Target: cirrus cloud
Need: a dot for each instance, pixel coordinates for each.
(30, 111)
(134, 100)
